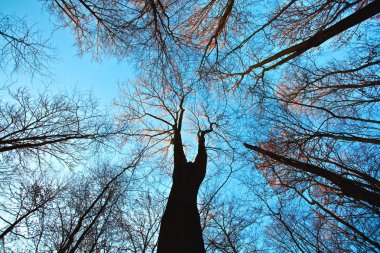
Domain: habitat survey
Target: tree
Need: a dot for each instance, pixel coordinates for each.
(229, 226)
(22, 47)
(140, 225)
(81, 217)
(91, 212)
(38, 136)
(25, 202)
(304, 27)
(181, 213)
(49, 127)
(117, 28)
(324, 143)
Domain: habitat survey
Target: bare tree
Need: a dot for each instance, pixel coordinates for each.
(158, 114)
(324, 144)
(302, 27)
(39, 137)
(91, 215)
(48, 127)
(139, 222)
(81, 216)
(153, 29)
(118, 28)
(22, 46)
(230, 226)
(26, 201)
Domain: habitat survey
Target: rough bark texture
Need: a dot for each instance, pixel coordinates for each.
(180, 230)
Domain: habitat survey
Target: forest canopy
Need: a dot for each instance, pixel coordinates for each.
(250, 126)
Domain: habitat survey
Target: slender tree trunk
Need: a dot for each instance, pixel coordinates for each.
(180, 230)
(348, 186)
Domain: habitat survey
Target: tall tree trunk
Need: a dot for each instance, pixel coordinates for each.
(348, 187)
(180, 230)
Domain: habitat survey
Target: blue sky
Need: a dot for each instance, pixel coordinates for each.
(69, 71)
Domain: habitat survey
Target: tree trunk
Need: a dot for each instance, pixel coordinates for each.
(348, 187)
(180, 230)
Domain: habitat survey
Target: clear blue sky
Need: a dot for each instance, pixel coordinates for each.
(69, 70)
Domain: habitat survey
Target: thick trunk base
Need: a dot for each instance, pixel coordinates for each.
(180, 230)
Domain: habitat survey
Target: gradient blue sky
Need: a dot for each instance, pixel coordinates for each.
(69, 71)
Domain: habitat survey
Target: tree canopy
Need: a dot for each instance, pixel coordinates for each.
(280, 97)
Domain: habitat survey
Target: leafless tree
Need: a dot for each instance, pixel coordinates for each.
(323, 143)
(22, 46)
(301, 28)
(25, 203)
(230, 226)
(155, 113)
(92, 211)
(139, 222)
(81, 216)
(39, 137)
(44, 127)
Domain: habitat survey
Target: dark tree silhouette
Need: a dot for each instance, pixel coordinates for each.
(50, 126)
(22, 47)
(38, 135)
(229, 225)
(94, 211)
(321, 36)
(323, 144)
(180, 226)
(139, 226)
(155, 113)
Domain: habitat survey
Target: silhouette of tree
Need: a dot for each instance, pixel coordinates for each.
(22, 47)
(40, 136)
(79, 216)
(230, 226)
(324, 146)
(48, 127)
(286, 32)
(155, 113)
(139, 225)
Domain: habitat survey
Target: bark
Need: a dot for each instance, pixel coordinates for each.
(180, 225)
